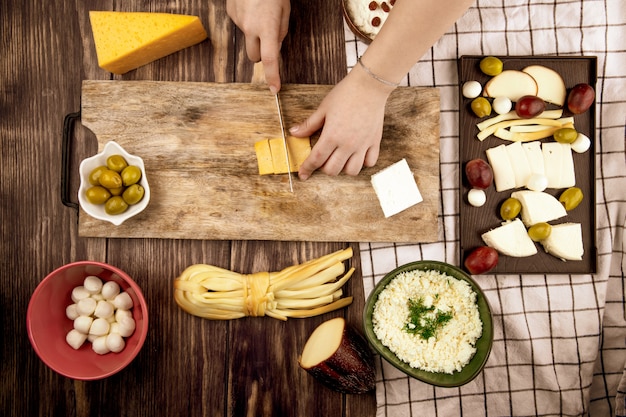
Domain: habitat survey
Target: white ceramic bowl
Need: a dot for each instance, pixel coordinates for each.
(97, 210)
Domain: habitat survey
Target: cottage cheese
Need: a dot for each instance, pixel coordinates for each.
(453, 345)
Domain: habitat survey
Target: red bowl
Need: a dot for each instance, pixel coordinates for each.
(48, 325)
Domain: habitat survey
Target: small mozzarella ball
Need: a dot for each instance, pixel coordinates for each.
(123, 301)
(97, 297)
(110, 290)
(502, 105)
(86, 306)
(119, 314)
(472, 89)
(93, 284)
(99, 327)
(476, 197)
(115, 342)
(104, 309)
(581, 144)
(126, 326)
(99, 345)
(78, 293)
(83, 324)
(537, 182)
(71, 311)
(115, 328)
(75, 339)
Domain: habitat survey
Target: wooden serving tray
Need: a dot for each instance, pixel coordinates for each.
(197, 143)
(476, 220)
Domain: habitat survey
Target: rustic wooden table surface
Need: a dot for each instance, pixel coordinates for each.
(188, 366)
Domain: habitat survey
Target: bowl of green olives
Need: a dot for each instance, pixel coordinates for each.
(113, 185)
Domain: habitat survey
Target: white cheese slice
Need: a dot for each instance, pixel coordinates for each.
(396, 188)
(519, 163)
(510, 239)
(503, 175)
(538, 206)
(534, 156)
(559, 164)
(565, 242)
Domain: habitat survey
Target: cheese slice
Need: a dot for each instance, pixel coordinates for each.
(534, 156)
(127, 40)
(558, 164)
(538, 206)
(270, 154)
(503, 174)
(396, 188)
(565, 242)
(519, 163)
(511, 239)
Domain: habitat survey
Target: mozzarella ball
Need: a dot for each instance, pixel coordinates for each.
(115, 342)
(581, 144)
(110, 290)
(126, 326)
(115, 328)
(123, 301)
(99, 327)
(93, 284)
(78, 293)
(476, 197)
(472, 89)
(99, 345)
(120, 313)
(86, 306)
(75, 339)
(537, 182)
(502, 105)
(97, 297)
(83, 324)
(71, 311)
(104, 309)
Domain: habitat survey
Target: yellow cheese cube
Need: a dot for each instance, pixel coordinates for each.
(127, 40)
(299, 150)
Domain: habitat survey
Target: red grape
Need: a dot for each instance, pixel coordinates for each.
(481, 260)
(528, 107)
(580, 98)
(479, 173)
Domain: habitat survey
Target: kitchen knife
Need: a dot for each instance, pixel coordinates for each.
(282, 129)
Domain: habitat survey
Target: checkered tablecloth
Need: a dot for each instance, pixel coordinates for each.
(560, 340)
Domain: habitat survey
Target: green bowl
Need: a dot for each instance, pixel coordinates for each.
(483, 344)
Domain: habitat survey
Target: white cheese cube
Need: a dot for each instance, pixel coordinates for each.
(396, 188)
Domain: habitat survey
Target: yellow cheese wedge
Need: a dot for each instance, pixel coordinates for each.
(270, 154)
(127, 40)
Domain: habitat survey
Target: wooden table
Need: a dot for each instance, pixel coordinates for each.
(188, 366)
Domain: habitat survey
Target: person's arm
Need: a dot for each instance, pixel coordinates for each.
(351, 115)
(265, 24)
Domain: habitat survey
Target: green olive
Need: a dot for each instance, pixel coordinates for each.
(115, 205)
(94, 175)
(131, 175)
(481, 107)
(510, 208)
(133, 194)
(565, 135)
(539, 231)
(110, 179)
(491, 65)
(97, 194)
(116, 163)
(571, 198)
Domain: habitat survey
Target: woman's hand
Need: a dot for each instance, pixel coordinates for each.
(351, 118)
(265, 24)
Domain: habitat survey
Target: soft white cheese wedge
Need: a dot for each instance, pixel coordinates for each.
(565, 242)
(396, 188)
(503, 175)
(510, 239)
(519, 163)
(538, 206)
(558, 164)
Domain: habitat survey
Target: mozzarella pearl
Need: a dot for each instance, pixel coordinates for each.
(99, 345)
(115, 342)
(502, 105)
(83, 324)
(99, 327)
(110, 290)
(71, 311)
(75, 339)
(78, 293)
(581, 144)
(104, 309)
(126, 326)
(537, 182)
(92, 284)
(86, 306)
(476, 197)
(472, 89)
(123, 301)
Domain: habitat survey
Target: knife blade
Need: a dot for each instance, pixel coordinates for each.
(282, 129)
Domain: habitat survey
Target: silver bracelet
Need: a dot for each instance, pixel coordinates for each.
(376, 77)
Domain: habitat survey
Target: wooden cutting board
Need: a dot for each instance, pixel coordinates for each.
(197, 143)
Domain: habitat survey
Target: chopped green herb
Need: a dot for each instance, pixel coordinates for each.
(425, 321)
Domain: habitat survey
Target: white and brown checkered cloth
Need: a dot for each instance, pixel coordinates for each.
(560, 340)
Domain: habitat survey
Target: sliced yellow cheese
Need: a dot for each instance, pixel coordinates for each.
(127, 40)
(271, 159)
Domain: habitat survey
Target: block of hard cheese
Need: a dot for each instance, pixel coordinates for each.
(396, 188)
(127, 40)
(270, 154)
